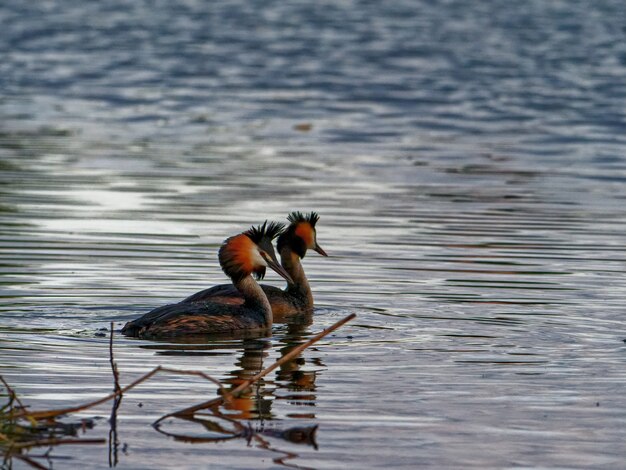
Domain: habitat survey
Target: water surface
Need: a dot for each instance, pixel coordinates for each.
(468, 163)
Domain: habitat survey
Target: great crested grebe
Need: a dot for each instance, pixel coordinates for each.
(240, 257)
(292, 246)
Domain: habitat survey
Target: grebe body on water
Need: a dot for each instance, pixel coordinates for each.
(241, 257)
(292, 245)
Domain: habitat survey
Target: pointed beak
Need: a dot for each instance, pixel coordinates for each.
(319, 249)
(272, 263)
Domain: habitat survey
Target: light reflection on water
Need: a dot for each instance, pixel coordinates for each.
(467, 161)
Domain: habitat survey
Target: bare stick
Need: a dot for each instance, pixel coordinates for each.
(116, 375)
(246, 383)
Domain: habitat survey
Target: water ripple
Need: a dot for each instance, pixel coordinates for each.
(467, 160)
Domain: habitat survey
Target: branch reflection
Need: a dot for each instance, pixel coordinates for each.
(292, 384)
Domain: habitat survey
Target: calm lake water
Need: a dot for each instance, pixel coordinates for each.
(467, 159)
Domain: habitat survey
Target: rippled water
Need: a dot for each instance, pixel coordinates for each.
(468, 161)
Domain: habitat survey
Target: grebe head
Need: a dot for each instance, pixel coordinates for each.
(301, 234)
(251, 252)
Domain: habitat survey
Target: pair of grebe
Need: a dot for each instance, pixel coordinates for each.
(243, 305)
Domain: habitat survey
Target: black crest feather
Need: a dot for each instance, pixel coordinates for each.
(268, 230)
(289, 237)
(297, 216)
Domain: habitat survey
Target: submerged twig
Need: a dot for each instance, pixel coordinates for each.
(20, 436)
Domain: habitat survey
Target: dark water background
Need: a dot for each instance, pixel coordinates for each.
(468, 161)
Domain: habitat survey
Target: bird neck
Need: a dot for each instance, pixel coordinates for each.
(255, 297)
(291, 262)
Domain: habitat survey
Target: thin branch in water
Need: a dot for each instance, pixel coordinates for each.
(113, 439)
(12, 395)
(48, 414)
(116, 376)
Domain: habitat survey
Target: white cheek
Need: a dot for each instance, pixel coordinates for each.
(257, 259)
